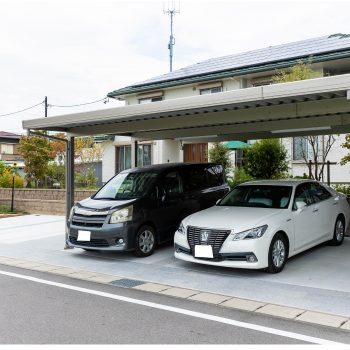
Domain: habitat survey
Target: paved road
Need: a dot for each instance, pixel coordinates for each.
(39, 308)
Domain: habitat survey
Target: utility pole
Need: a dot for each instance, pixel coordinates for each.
(171, 11)
(45, 101)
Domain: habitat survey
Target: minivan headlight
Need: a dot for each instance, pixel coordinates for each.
(181, 229)
(71, 212)
(252, 233)
(121, 215)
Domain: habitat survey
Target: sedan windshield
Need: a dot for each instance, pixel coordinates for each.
(126, 186)
(261, 196)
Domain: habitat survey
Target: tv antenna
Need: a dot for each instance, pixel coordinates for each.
(171, 11)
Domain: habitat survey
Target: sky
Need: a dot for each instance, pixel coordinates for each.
(77, 51)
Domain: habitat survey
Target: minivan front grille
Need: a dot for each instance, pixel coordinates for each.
(88, 221)
(216, 238)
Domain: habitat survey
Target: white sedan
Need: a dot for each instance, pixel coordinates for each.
(261, 224)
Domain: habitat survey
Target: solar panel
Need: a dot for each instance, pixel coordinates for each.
(304, 48)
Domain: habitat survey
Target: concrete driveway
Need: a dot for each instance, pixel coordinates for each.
(316, 280)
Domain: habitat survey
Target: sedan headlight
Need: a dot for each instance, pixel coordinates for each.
(255, 232)
(181, 229)
(121, 215)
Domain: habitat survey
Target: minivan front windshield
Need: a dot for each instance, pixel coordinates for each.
(126, 186)
(258, 196)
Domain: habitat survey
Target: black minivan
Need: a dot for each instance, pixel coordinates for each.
(142, 207)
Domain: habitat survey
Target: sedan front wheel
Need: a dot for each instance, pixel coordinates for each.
(277, 254)
(339, 232)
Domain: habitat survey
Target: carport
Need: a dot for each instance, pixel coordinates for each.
(310, 107)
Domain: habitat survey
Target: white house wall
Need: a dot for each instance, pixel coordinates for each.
(108, 163)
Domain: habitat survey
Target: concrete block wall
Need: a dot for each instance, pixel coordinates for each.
(40, 201)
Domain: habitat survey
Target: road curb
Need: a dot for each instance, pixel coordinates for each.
(285, 312)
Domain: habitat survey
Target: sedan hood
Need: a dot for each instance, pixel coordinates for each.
(97, 204)
(231, 218)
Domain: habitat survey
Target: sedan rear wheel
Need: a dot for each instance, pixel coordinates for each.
(145, 242)
(339, 232)
(277, 254)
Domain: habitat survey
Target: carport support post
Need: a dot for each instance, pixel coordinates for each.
(69, 182)
(134, 152)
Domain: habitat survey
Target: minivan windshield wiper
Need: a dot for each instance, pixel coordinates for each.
(104, 198)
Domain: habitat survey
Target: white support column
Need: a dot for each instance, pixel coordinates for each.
(69, 182)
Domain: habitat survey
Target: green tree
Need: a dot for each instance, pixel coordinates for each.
(266, 159)
(299, 71)
(220, 153)
(346, 145)
(36, 152)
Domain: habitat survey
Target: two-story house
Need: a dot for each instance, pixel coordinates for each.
(9, 153)
(330, 56)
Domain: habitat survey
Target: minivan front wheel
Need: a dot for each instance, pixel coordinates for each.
(145, 242)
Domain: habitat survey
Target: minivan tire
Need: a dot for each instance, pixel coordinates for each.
(145, 241)
(278, 249)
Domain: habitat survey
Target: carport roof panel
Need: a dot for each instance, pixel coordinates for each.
(321, 48)
(197, 105)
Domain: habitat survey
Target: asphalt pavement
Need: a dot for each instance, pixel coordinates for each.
(41, 308)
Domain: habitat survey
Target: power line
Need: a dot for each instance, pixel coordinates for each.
(22, 110)
(105, 99)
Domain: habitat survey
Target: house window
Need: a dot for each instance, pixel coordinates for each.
(212, 90)
(239, 159)
(6, 149)
(262, 83)
(150, 99)
(144, 155)
(123, 158)
(303, 149)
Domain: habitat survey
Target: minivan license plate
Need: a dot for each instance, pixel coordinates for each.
(84, 236)
(203, 251)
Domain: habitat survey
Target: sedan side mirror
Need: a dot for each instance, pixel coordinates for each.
(300, 205)
(218, 201)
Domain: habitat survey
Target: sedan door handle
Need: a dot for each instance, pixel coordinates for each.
(335, 203)
(315, 210)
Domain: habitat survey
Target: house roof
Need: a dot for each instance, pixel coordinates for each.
(273, 57)
(9, 135)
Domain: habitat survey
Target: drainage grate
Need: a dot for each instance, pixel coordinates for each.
(124, 282)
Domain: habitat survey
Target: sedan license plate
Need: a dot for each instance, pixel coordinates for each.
(203, 251)
(84, 236)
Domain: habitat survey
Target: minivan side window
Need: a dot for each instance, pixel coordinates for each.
(194, 179)
(171, 183)
(215, 175)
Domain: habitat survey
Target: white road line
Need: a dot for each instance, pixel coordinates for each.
(177, 310)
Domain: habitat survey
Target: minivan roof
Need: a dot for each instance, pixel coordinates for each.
(166, 166)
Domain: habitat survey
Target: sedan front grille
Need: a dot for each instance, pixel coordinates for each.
(216, 238)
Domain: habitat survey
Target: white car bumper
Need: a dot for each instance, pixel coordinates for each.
(232, 253)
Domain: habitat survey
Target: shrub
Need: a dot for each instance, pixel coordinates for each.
(220, 153)
(266, 159)
(239, 176)
(343, 189)
(6, 179)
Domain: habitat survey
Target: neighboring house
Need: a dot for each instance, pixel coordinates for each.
(9, 153)
(330, 56)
